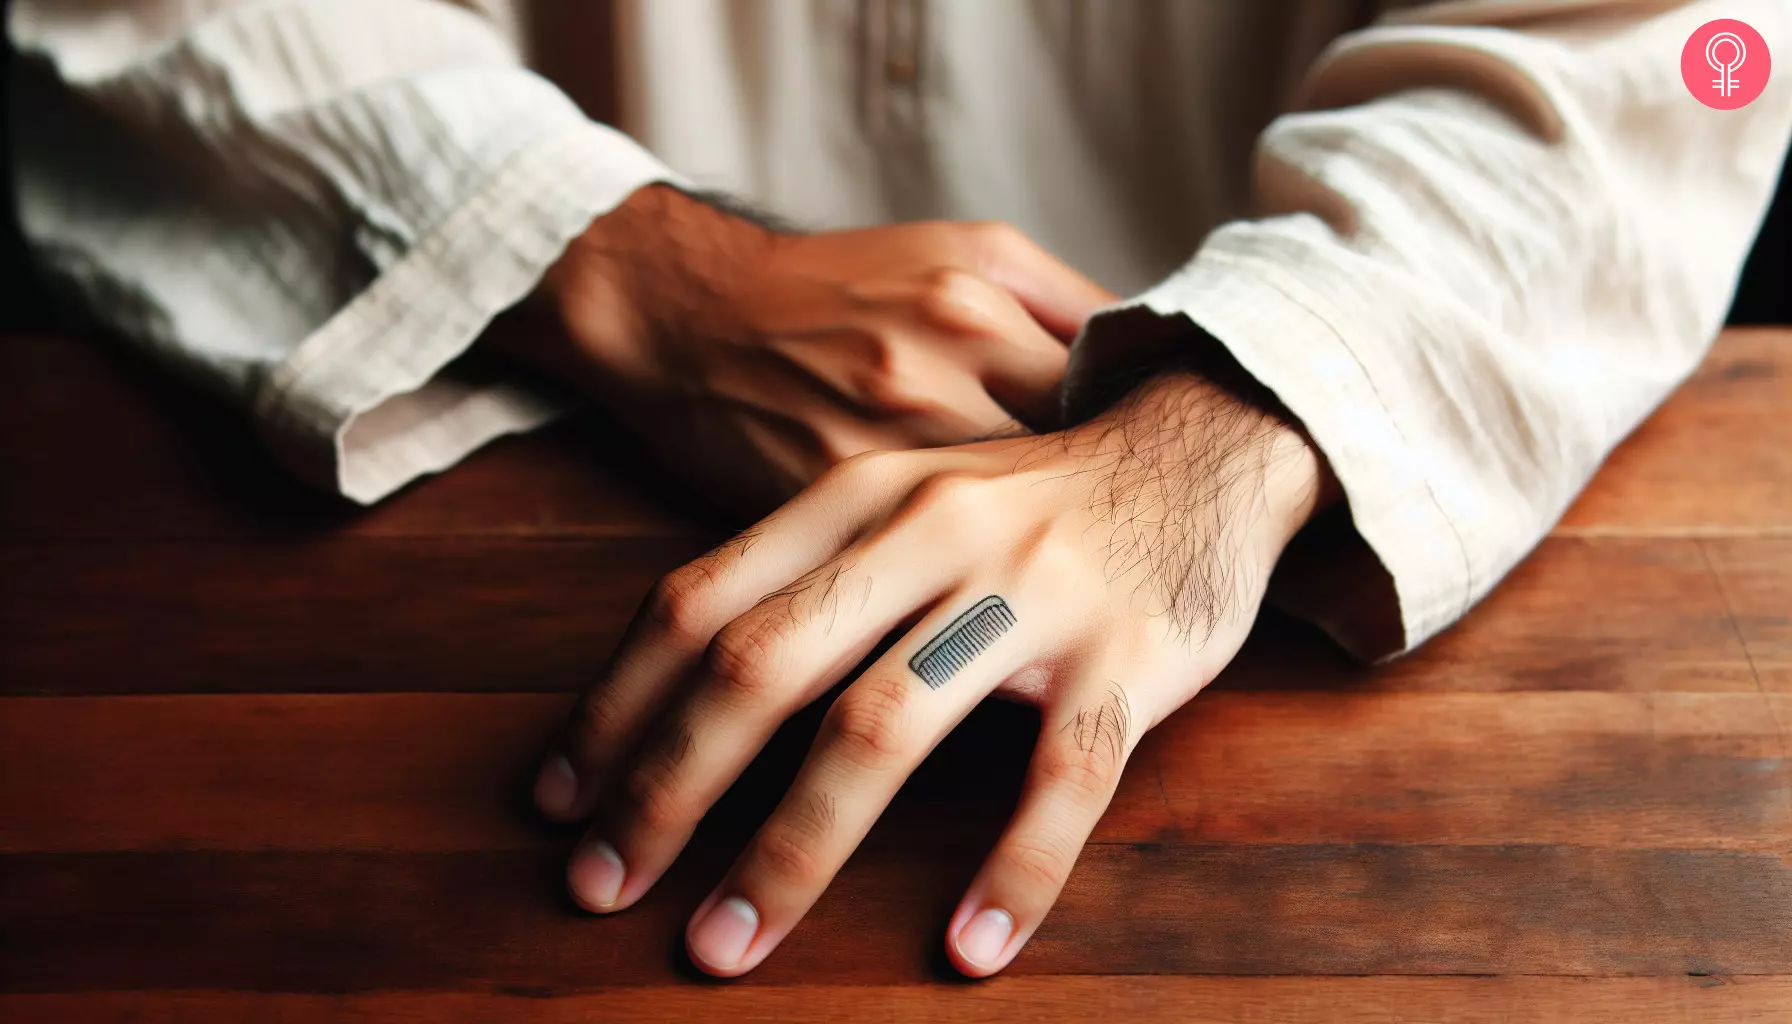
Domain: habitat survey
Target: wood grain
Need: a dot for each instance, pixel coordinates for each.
(347, 614)
(1136, 999)
(264, 756)
(445, 772)
(1714, 460)
(363, 921)
(1581, 613)
(112, 449)
(1757, 585)
(327, 614)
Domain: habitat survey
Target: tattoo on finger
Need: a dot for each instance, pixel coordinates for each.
(967, 636)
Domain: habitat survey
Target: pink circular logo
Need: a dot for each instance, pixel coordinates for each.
(1725, 64)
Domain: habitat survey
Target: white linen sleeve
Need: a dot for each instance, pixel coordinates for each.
(311, 207)
(1492, 238)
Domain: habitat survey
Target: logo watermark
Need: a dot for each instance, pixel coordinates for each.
(1725, 64)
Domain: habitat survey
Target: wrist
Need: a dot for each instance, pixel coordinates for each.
(1175, 375)
(655, 273)
(1241, 447)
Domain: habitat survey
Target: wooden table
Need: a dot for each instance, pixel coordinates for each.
(262, 758)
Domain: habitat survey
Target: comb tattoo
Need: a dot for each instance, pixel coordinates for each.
(968, 636)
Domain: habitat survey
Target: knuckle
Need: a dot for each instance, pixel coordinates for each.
(951, 298)
(1052, 557)
(594, 714)
(740, 658)
(868, 724)
(866, 471)
(996, 236)
(1086, 775)
(652, 799)
(1042, 864)
(886, 352)
(678, 604)
(948, 283)
(814, 817)
(953, 495)
(787, 857)
(867, 475)
(892, 387)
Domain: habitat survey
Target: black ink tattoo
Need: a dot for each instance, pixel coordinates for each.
(968, 636)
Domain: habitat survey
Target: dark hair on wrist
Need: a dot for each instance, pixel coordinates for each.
(735, 206)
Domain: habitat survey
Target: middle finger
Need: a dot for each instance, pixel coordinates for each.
(872, 738)
(680, 618)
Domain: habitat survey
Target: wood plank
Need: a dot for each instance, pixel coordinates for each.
(1134, 999)
(379, 771)
(1591, 613)
(112, 448)
(355, 922)
(1757, 584)
(1714, 460)
(1589, 769)
(327, 615)
(446, 772)
(351, 614)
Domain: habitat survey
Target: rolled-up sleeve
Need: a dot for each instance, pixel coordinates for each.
(311, 207)
(1492, 238)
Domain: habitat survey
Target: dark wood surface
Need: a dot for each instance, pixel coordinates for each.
(262, 757)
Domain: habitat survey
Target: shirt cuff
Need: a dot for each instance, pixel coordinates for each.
(363, 406)
(1392, 570)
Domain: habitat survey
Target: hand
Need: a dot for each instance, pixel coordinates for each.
(1104, 574)
(751, 361)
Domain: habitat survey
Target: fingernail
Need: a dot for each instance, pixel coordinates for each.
(596, 874)
(722, 936)
(556, 788)
(983, 937)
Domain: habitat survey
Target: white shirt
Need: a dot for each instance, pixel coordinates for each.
(1470, 247)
